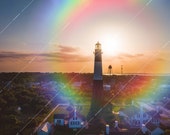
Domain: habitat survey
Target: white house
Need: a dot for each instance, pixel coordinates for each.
(59, 119)
(144, 129)
(107, 87)
(155, 118)
(135, 117)
(147, 121)
(76, 120)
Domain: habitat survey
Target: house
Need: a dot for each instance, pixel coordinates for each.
(45, 129)
(144, 130)
(61, 115)
(155, 117)
(135, 117)
(157, 131)
(63, 109)
(34, 84)
(59, 119)
(151, 129)
(147, 120)
(68, 116)
(117, 129)
(77, 84)
(76, 120)
(107, 87)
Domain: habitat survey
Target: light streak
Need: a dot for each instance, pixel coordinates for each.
(14, 19)
(136, 15)
(121, 90)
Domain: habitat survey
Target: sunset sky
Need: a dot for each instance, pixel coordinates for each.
(60, 35)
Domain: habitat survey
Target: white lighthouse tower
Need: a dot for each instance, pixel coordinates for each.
(98, 62)
(97, 97)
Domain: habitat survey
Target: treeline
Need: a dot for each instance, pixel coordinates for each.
(20, 101)
(40, 77)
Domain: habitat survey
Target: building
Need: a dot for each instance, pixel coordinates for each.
(97, 99)
(59, 119)
(77, 84)
(140, 118)
(107, 87)
(69, 117)
(45, 129)
(157, 131)
(76, 120)
(151, 129)
(135, 116)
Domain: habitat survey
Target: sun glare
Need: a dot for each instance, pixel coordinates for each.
(111, 44)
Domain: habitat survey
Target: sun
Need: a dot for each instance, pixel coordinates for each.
(111, 44)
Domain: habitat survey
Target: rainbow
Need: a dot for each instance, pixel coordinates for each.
(65, 14)
(68, 14)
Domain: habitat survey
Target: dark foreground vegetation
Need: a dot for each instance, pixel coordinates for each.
(24, 95)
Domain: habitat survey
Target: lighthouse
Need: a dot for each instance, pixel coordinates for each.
(97, 95)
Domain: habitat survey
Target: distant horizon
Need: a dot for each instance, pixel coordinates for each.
(161, 74)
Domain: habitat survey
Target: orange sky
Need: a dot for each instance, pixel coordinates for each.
(74, 61)
(59, 36)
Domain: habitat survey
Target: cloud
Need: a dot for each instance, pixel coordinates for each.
(67, 49)
(14, 55)
(160, 59)
(64, 54)
(122, 57)
(131, 56)
(125, 56)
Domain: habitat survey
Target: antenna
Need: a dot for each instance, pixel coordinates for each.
(121, 69)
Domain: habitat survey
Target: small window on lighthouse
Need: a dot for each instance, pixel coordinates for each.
(98, 45)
